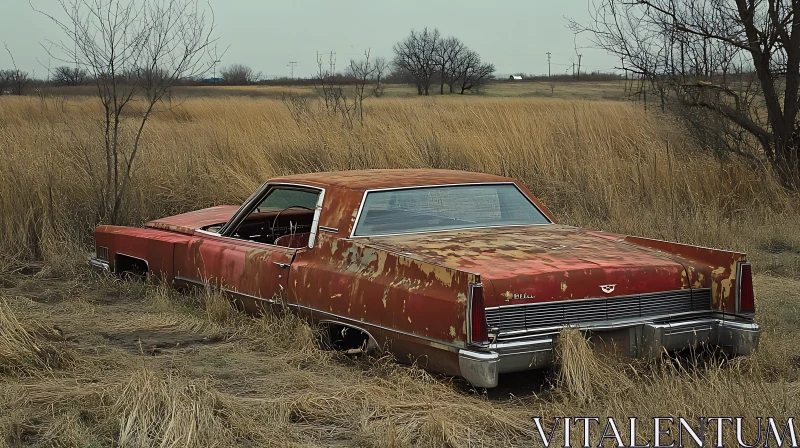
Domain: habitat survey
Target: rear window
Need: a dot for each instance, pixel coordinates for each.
(430, 209)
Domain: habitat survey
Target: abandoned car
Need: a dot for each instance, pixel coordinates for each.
(464, 273)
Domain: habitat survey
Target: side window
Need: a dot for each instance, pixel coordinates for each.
(283, 218)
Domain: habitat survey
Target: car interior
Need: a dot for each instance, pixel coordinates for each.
(288, 227)
(283, 218)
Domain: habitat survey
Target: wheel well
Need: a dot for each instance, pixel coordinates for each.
(125, 264)
(343, 337)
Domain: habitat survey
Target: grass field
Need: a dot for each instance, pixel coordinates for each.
(90, 361)
(610, 90)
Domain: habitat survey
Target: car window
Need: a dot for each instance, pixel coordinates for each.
(284, 217)
(442, 208)
(280, 198)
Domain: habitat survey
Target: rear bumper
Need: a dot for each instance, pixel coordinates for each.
(98, 265)
(648, 340)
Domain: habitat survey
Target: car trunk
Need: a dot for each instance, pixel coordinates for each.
(547, 263)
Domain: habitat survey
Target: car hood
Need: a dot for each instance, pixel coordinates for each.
(530, 264)
(188, 222)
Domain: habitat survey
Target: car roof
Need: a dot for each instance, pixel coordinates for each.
(374, 179)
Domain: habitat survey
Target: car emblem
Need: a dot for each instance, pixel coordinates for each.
(608, 289)
(509, 295)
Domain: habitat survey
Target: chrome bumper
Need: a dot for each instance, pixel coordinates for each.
(648, 340)
(100, 266)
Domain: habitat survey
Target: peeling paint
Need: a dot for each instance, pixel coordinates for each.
(415, 285)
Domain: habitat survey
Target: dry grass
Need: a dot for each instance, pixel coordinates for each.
(582, 373)
(601, 164)
(29, 348)
(257, 382)
(150, 367)
(167, 412)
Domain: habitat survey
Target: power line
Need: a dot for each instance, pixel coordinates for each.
(292, 64)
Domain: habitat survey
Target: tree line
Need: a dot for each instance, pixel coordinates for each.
(424, 58)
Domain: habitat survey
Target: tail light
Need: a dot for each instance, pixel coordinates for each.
(478, 329)
(745, 299)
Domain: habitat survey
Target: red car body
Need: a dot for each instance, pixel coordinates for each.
(474, 301)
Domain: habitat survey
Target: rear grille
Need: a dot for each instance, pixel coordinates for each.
(567, 312)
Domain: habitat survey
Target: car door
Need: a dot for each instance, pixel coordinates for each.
(250, 256)
(255, 274)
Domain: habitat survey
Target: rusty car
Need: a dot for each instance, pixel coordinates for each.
(463, 273)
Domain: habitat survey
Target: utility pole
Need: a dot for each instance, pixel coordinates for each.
(548, 64)
(332, 62)
(215, 69)
(579, 66)
(625, 86)
(292, 64)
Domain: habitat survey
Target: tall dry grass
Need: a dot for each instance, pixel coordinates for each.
(594, 163)
(29, 348)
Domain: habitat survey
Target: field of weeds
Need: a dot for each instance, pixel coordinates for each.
(92, 361)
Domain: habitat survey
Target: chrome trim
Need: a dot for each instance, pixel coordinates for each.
(366, 192)
(480, 369)
(329, 229)
(315, 221)
(604, 324)
(642, 340)
(585, 299)
(530, 318)
(99, 265)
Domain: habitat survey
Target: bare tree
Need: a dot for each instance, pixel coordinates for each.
(69, 76)
(135, 52)
(381, 66)
(762, 37)
(472, 72)
(14, 80)
(240, 75)
(416, 57)
(447, 55)
(364, 72)
(333, 90)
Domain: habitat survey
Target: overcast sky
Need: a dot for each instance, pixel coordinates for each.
(267, 34)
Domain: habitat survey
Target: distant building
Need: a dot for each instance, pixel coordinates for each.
(515, 77)
(213, 80)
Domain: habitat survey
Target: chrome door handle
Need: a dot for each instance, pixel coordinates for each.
(282, 265)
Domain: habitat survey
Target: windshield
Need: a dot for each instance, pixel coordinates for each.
(428, 209)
